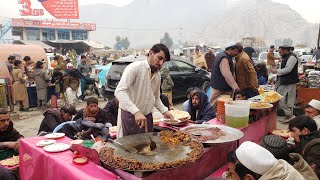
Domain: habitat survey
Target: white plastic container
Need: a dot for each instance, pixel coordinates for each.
(237, 113)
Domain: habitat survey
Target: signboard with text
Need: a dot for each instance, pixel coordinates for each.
(60, 9)
(17, 22)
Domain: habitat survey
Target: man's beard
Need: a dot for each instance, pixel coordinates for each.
(4, 128)
(194, 107)
(154, 69)
(284, 55)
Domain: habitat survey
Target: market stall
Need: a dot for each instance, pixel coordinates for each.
(214, 156)
(36, 163)
(309, 86)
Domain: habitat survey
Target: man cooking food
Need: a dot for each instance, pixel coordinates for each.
(139, 91)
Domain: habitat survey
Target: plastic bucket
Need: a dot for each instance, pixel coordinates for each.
(237, 113)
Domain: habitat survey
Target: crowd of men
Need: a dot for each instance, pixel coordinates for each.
(139, 92)
(64, 80)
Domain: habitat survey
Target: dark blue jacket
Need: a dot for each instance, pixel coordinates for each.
(217, 79)
(205, 112)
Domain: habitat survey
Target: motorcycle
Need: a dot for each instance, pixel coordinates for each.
(92, 86)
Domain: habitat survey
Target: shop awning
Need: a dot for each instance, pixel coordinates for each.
(30, 42)
(93, 44)
(86, 42)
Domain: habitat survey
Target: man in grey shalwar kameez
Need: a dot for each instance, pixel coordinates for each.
(287, 78)
(41, 78)
(139, 91)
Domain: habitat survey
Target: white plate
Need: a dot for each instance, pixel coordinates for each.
(232, 134)
(45, 142)
(177, 123)
(57, 147)
(54, 135)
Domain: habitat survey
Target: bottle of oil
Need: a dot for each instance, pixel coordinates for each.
(261, 91)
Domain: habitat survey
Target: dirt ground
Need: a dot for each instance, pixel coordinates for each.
(27, 123)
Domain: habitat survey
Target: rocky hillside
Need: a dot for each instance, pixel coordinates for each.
(214, 22)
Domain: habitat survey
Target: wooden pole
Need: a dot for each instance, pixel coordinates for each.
(318, 43)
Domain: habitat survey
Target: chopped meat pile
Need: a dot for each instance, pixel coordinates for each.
(197, 133)
(174, 137)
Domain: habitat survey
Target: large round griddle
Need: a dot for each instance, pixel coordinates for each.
(231, 134)
(163, 152)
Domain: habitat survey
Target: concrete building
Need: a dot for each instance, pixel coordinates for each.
(62, 35)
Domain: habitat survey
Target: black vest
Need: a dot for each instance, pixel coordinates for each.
(292, 77)
(217, 80)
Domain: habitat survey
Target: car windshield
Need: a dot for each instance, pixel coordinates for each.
(263, 56)
(116, 70)
(184, 66)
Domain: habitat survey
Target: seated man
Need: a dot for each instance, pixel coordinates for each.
(9, 137)
(279, 148)
(313, 111)
(256, 162)
(54, 117)
(199, 108)
(111, 109)
(92, 110)
(307, 140)
(186, 103)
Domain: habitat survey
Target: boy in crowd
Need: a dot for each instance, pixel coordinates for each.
(307, 140)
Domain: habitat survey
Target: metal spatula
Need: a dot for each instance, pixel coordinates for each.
(127, 148)
(153, 144)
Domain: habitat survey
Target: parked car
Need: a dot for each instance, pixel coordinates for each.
(263, 57)
(183, 74)
(304, 56)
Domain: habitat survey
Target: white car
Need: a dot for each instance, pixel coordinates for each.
(263, 57)
(305, 56)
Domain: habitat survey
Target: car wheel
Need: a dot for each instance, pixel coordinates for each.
(205, 86)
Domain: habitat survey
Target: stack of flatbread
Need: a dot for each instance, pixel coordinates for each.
(181, 115)
(13, 161)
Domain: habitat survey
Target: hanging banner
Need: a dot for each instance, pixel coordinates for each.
(17, 22)
(60, 9)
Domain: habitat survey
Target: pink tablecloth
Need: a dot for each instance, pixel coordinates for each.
(36, 164)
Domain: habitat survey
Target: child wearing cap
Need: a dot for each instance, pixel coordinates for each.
(313, 111)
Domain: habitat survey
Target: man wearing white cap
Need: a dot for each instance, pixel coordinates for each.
(261, 161)
(313, 111)
(223, 73)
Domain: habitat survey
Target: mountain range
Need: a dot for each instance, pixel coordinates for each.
(213, 22)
